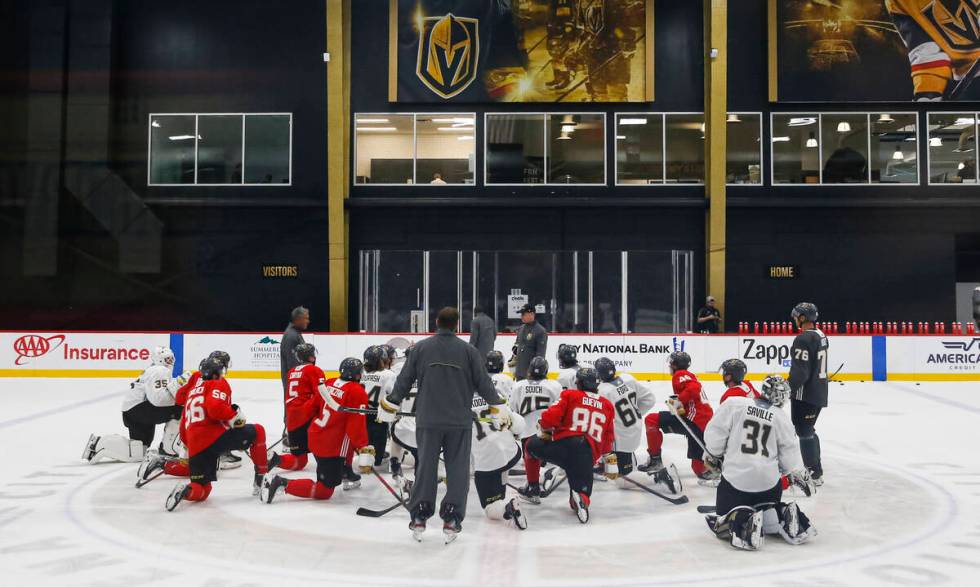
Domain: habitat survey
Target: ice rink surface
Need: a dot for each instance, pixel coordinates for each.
(901, 506)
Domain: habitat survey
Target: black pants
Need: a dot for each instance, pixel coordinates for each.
(728, 497)
(574, 454)
(299, 442)
(805, 420)
(490, 484)
(141, 420)
(204, 465)
(378, 438)
(671, 424)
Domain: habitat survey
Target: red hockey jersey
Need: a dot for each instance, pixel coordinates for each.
(206, 414)
(744, 390)
(337, 434)
(577, 413)
(688, 390)
(301, 394)
(180, 398)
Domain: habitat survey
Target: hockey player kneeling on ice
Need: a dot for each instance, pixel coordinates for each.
(213, 425)
(630, 399)
(495, 452)
(302, 383)
(148, 402)
(531, 397)
(336, 437)
(575, 432)
(378, 379)
(753, 441)
(567, 365)
(502, 382)
(403, 438)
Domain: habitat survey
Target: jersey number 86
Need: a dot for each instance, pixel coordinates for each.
(589, 422)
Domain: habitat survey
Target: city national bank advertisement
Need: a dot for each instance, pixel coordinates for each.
(874, 50)
(478, 51)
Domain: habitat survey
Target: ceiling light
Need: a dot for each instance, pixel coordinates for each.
(936, 142)
(567, 128)
(454, 129)
(155, 124)
(632, 121)
(564, 137)
(802, 121)
(963, 150)
(701, 128)
(371, 120)
(732, 117)
(780, 139)
(910, 139)
(961, 165)
(897, 155)
(183, 137)
(844, 127)
(568, 119)
(811, 142)
(377, 129)
(454, 120)
(620, 138)
(964, 121)
(464, 138)
(885, 118)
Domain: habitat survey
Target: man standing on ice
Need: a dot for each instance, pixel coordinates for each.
(449, 372)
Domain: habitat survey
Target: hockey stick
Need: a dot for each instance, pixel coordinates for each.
(706, 509)
(378, 513)
(369, 412)
(548, 475)
(142, 482)
(674, 500)
(683, 422)
(831, 378)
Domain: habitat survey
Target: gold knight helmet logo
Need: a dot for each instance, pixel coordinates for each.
(449, 49)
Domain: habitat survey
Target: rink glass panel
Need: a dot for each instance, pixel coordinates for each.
(574, 291)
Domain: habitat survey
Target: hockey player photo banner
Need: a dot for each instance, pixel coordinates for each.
(874, 50)
(478, 51)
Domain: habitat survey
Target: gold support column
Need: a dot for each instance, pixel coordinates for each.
(715, 144)
(338, 157)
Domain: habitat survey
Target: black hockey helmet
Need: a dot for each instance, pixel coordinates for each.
(304, 351)
(222, 356)
(805, 309)
(567, 356)
(606, 369)
(390, 352)
(587, 379)
(679, 360)
(212, 368)
(351, 369)
(735, 369)
(495, 362)
(538, 369)
(374, 358)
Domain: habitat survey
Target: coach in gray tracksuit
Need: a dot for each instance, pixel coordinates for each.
(449, 371)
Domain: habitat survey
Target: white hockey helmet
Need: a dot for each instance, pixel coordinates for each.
(162, 355)
(775, 390)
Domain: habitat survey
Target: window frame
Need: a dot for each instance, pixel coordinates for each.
(976, 160)
(867, 115)
(415, 149)
(197, 116)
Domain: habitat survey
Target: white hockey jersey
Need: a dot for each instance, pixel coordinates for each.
(566, 377)
(632, 400)
(403, 429)
(530, 399)
(377, 384)
(504, 384)
(492, 448)
(155, 385)
(757, 441)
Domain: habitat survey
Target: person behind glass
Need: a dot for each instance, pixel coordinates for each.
(532, 341)
(437, 179)
(483, 331)
(709, 318)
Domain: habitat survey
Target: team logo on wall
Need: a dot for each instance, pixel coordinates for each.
(449, 48)
(265, 353)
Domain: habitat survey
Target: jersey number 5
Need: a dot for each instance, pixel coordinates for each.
(589, 422)
(752, 442)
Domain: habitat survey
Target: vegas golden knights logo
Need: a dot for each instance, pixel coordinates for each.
(958, 21)
(449, 49)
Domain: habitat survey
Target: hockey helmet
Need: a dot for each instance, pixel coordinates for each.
(567, 356)
(211, 369)
(351, 369)
(679, 360)
(805, 309)
(586, 379)
(606, 369)
(735, 370)
(495, 362)
(304, 351)
(374, 358)
(162, 355)
(222, 356)
(775, 390)
(538, 369)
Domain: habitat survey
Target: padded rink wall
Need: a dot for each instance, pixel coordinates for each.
(256, 355)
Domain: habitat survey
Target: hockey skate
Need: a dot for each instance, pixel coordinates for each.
(452, 525)
(150, 469)
(794, 525)
(229, 460)
(89, 451)
(273, 460)
(653, 465)
(553, 477)
(351, 479)
(271, 484)
(709, 479)
(420, 513)
(513, 513)
(180, 491)
(579, 502)
(669, 477)
(531, 493)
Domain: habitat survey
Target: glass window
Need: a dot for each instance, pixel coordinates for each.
(685, 148)
(894, 148)
(576, 148)
(744, 163)
(515, 148)
(795, 148)
(219, 149)
(639, 149)
(952, 147)
(845, 148)
(445, 148)
(267, 149)
(172, 144)
(385, 148)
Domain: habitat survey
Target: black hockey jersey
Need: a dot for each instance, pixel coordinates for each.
(808, 372)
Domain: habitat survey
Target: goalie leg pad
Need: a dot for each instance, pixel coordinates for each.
(118, 448)
(171, 442)
(742, 526)
(793, 525)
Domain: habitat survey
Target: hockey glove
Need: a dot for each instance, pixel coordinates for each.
(387, 411)
(803, 481)
(365, 459)
(500, 414)
(239, 419)
(712, 464)
(675, 406)
(611, 466)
